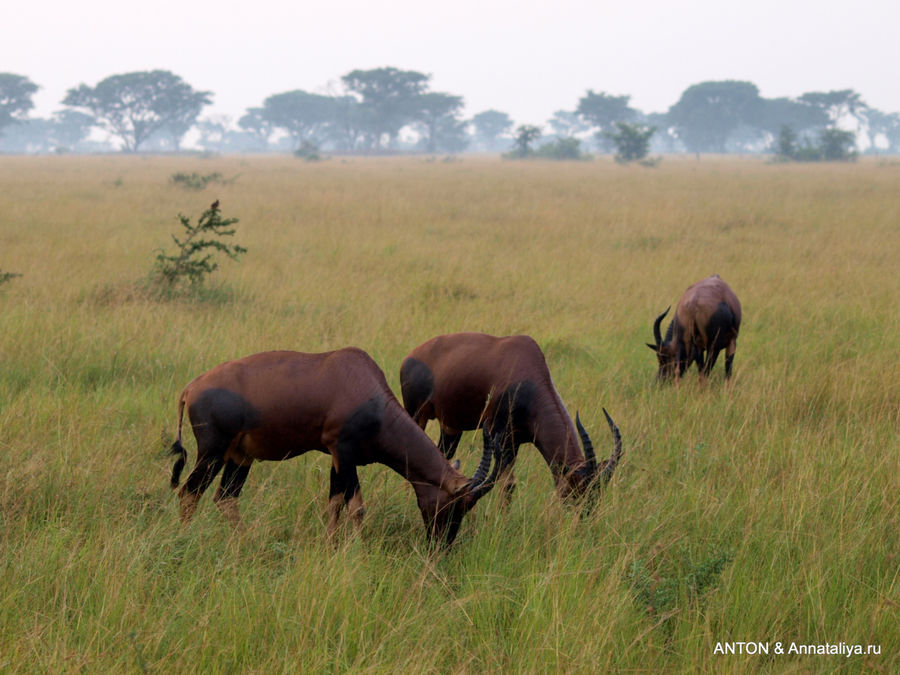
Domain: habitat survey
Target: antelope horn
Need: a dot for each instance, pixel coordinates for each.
(482, 471)
(482, 483)
(607, 471)
(656, 333)
(588, 446)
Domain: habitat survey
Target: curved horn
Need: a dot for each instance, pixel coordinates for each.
(487, 454)
(482, 483)
(656, 333)
(587, 445)
(610, 466)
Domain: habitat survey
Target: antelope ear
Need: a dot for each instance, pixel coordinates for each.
(455, 465)
(653, 347)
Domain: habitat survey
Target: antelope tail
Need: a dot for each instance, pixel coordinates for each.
(178, 448)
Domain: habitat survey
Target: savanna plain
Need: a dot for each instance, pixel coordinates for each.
(765, 509)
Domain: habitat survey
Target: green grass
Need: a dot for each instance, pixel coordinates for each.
(763, 510)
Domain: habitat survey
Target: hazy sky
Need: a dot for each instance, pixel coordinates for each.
(527, 58)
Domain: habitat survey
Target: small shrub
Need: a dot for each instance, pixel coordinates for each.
(658, 586)
(834, 145)
(196, 181)
(193, 261)
(562, 148)
(838, 145)
(7, 276)
(632, 142)
(308, 151)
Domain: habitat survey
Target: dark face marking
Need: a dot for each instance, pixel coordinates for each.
(443, 514)
(666, 359)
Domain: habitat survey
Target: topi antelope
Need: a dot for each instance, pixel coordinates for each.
(502, 384)
(277, 405)
(707, 319)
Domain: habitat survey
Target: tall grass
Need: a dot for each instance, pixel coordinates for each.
(761, 510)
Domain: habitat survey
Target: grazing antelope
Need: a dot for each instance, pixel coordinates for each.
(277, 405)
(707, 319)
(502, 384)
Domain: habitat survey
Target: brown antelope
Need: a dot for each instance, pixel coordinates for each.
(277, 405)
(502, 384)
(707, 319)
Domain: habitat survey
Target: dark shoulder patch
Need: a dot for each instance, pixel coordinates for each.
(416, 384)
(363, 424)
(514, 406)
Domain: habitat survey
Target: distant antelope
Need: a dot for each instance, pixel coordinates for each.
(707, 319)
(502, 384)
(277, 405)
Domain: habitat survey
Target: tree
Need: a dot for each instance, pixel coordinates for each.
(708, 113)
(388, 101)
(803, 119)
(181, 107)
(255, 123)
(31, 136)
(438, 114)
(632, 141)
(15, 98)
(134, 106)
(70, 127)
(836, 104)
(302, 115)
(663, 140)
(566, 124)
(883, 125)
(838, 145)
(786, 144)
(601, 111)
(348, 125)
(526, 134)
(489, 126)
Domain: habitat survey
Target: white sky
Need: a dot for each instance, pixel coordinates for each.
(525, 57)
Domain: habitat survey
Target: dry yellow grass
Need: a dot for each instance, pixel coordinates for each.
(766, 510)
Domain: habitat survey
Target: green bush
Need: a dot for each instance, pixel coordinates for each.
(196, 181)
(308, 151)
(193, 261)
(632, 141)
(562, 148)
(834, 145)
(7, 276)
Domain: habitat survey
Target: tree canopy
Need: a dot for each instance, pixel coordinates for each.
(304, 116)
(388, 98)
(438, 116)
(834, 104)
(134, 106)
(15, 98)
(708, 113)
(389, 110)
(601, 111)
(489, 125)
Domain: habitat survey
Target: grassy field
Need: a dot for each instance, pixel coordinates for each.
(766, 510)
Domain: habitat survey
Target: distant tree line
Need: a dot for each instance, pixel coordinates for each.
(387, 110)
